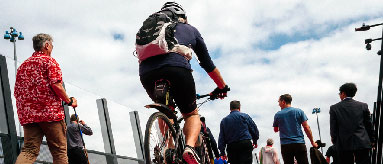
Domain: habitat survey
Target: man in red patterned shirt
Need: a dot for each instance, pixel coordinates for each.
(39, 94)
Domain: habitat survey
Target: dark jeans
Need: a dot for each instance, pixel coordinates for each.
(361, 156)
(240, 152)
(77, 156)
(298, 150)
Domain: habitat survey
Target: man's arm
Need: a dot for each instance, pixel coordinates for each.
(275, 124)
(217, 78)
(309, 134)
(221, 140)
(368, 123)
(60, 92)
(333, 125)
(85, 128)
(213, 143)
(276, 129)
(275, 156)
(253, 131)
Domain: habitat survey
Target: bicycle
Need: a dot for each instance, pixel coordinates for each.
(164, 140)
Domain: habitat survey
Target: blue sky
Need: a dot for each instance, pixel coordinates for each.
(262, 48)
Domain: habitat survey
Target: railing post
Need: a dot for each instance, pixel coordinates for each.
(137, 134)
(106, 130)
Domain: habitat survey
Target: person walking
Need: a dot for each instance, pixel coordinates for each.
(236, 131)
(289, 122)
(351, 127)
(268, 154)
(75, 129)
(39, 94)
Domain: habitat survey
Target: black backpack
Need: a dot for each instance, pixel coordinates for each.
(156, 36)
(316, 156)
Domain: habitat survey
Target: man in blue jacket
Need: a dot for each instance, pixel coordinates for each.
(236, 131)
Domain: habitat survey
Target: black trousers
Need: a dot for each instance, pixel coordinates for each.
(181, 82)
(240, 152)
(298, 150)
(361, 156)
(77, 156)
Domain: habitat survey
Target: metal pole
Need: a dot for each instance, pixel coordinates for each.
(320, 138)
(379, 103)
(374, 119)
(15, 58)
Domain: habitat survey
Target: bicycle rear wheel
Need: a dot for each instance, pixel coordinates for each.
(159, 144)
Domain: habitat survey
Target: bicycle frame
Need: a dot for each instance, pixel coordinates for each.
(165, 104)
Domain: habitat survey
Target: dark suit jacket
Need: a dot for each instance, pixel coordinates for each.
(350, 125)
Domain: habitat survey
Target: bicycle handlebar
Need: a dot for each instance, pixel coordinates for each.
(201, 96)
(217, 93)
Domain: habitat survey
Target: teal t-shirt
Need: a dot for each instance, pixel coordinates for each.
(289, 120)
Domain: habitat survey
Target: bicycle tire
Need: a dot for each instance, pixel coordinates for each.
(209, 148)
(203, 151)
(156, 142)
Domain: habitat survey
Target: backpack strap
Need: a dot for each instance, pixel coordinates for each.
(261, 158)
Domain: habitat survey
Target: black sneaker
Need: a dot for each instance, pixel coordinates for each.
(190, 156)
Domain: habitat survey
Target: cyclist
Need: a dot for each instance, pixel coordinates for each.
(177, 70)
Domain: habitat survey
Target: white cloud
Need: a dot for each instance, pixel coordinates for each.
(311, 70)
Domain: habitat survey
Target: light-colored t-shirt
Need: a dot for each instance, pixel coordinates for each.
(268, 155)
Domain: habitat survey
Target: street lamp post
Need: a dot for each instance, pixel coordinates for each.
(12, 38)
(316, 111)
(377, 153)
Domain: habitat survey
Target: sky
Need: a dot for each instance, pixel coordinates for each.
(263, 49)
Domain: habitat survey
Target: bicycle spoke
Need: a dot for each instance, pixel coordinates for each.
(160, 140)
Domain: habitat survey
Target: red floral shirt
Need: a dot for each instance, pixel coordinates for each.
(35, 99)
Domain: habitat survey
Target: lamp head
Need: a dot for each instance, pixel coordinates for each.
(368, 46)
(14, 33)
(363, 28)
(367, 41)
(316, 110)
(21, 36)
(6, 35)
